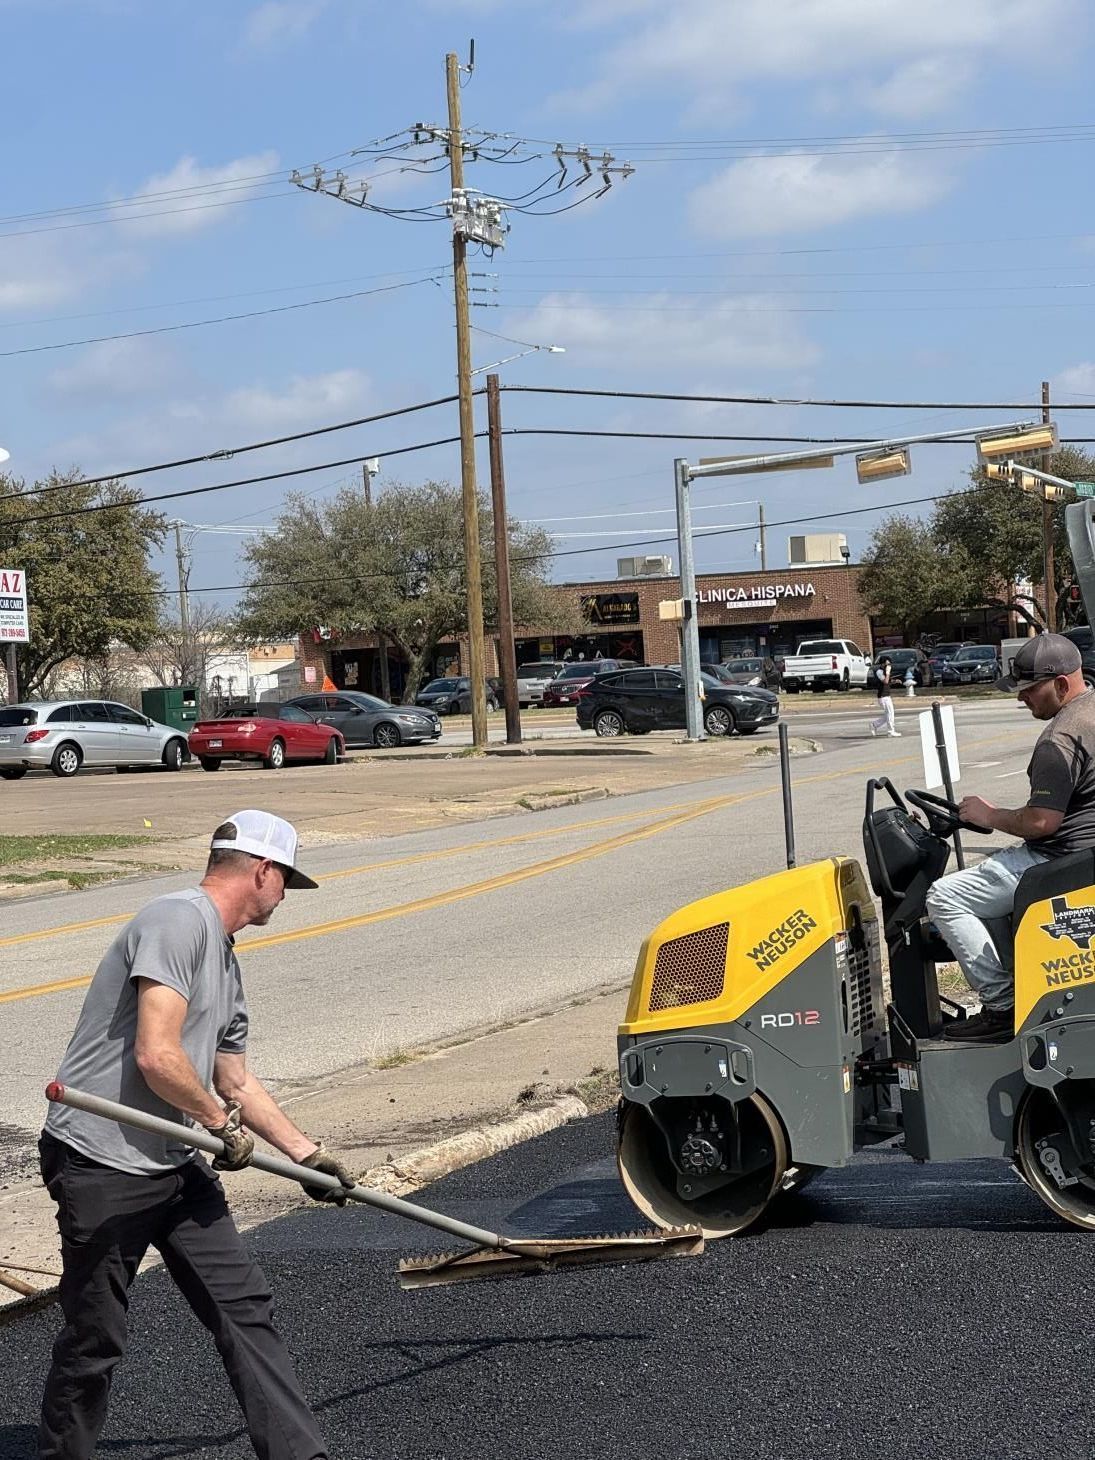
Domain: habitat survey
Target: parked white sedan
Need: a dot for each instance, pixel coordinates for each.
(63, 735)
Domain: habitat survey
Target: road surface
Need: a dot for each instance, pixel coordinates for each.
(912, 1313)
(416, 939)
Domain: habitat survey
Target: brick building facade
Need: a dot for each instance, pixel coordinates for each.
(739, 614)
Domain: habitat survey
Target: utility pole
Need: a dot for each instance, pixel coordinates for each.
(690, 632)
(763, 538)
(184, 604)
(473, 561)
(1047, 533)
(13, 676)
(507, 653)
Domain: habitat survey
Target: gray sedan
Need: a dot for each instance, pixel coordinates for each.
(365, 720)
(63, 735)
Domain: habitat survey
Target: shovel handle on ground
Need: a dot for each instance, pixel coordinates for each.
(201, 1140)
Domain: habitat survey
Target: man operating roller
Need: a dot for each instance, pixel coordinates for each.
(1059, 818)
(163, 1025)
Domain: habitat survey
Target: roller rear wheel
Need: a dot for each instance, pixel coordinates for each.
(656, 1186)
(1044, 1151)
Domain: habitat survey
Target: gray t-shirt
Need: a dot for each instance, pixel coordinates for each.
(1062, 777)
(179, 941)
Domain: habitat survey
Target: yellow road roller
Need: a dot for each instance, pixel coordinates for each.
(758, 1049)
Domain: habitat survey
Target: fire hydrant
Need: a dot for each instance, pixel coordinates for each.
(910, 683)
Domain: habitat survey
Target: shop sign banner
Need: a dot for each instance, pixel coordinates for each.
(14, 628)
(760, 595)
(611, 608)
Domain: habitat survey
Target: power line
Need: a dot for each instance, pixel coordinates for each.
(166, 329)
(226, 453)
(439, 270)
(217, 486)
(777, 400)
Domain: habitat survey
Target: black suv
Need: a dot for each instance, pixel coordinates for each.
(636, 701)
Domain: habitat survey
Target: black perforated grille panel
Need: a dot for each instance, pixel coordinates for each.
(861, 1010)
(691, 969)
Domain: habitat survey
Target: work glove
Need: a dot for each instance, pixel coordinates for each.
(322, 1160)
(239, 1145)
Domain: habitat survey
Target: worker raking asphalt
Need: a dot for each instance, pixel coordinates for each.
(907, 1310)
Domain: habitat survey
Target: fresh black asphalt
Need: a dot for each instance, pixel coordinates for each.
(891, 1310)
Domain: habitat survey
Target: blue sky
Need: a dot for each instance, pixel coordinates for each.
(823, 206)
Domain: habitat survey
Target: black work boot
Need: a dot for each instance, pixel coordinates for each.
(988, 1026)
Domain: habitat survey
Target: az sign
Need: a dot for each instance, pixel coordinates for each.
(13, 606)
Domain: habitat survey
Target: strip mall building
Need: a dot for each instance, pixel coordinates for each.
(739, 614)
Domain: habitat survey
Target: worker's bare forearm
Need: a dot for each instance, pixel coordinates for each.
(1027, 822)
(1032, 823)
(170, 1075)
(262, 1114)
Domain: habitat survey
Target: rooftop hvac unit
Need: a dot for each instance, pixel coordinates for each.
(817, 549)
(654, 566)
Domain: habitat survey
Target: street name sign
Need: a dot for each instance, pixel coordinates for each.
(1084, 489)
(14, 628)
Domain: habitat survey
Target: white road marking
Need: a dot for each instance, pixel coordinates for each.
(981, 765)
(1005, 774)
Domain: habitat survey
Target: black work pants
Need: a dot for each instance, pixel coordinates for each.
(108, 1220)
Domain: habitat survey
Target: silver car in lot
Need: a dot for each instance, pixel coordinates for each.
(533, 679)
(63, 735)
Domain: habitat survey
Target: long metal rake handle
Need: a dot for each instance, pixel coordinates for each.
(201, 1140)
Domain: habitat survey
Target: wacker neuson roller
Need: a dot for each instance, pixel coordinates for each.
(757, 1048)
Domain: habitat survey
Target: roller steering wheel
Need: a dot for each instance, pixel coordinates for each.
(944, 817)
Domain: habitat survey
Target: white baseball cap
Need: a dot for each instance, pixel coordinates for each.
(261, 834)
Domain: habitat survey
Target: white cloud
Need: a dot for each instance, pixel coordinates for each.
(1076, 379)
(40, 273)
(185, 425)
(769, 195)
(113, 371)
(192, 193)
(314, 399)
(890, 54)
(281, 22)
(928, 85)
(753, 331)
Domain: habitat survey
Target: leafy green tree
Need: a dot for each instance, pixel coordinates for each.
(993, 531)
(396, 568)
(88, 576)
(903, 575)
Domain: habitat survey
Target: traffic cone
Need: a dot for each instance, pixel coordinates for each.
(328, 684)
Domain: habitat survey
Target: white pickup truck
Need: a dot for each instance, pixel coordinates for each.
(825, 664)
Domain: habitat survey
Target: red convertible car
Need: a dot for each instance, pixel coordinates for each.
(273, 734)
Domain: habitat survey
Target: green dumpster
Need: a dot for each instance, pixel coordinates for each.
(174, 705)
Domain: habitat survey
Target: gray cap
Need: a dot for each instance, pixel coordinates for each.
(1043, 657)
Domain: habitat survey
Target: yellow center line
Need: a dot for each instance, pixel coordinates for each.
(473, 889)
(411, 860)
(491, 884)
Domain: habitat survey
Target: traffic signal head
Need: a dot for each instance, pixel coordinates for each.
(997, 471)
(1025, 442)
(1056, 494)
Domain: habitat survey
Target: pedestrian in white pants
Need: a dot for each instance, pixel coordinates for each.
(883, 673)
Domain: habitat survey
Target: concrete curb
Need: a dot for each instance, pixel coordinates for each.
(420, 1168)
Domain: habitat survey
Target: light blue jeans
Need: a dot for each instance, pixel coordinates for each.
(970, 907)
